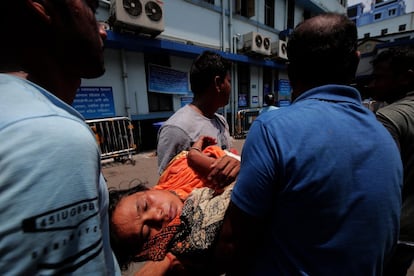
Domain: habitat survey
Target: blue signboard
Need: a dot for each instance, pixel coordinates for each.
(166, 80)
(284, 93)
(186, 100)
(94, 102)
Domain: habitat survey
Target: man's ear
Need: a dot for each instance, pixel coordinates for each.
(407, 78)
(217, 82)
(40, 8)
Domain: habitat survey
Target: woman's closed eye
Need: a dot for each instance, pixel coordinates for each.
(145, 205)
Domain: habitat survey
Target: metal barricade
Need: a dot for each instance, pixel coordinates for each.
(245, 118)
(115, 138)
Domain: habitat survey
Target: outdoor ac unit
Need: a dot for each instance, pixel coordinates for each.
(257, 43)
(143, 16)
(279, 49)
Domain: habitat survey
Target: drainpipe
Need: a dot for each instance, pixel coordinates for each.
(125, 80)
(223, 31)
(234, 84)
(223, 42)
(233, 71)
(127, 105)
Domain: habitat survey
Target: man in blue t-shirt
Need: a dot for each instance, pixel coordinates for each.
(319, 189)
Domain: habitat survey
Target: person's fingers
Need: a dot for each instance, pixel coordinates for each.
(216, 167)
(224, 171)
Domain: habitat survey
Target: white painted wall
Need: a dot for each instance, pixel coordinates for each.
(391, 24)
(185, 21)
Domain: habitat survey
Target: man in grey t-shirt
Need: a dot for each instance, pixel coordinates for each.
(393, 83)
(211, 85)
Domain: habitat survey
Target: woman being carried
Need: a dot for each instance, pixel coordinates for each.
(179, 218)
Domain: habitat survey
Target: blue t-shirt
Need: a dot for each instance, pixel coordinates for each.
(327, 177)
(53, 198)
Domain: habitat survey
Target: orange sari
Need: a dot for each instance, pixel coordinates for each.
(180, 178)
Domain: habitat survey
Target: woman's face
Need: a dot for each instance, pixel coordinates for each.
(140, 216)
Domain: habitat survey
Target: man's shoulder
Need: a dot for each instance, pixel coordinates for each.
(23, 100)
(183, 118)
(179, 115)
(398, 108)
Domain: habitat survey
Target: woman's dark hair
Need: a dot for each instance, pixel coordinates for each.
(122, 248)
(205, 68)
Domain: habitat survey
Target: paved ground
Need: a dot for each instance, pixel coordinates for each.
(120, 175)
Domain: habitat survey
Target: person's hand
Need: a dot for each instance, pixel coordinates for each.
(174, 262)
(204, 141)
(160, 268)
(224, 171)
(152, 268)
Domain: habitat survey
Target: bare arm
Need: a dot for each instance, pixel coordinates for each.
(151, 268)
(221, 171)
(161, 268)
(199, 161)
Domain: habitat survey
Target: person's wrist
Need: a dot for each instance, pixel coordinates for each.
(195, 148)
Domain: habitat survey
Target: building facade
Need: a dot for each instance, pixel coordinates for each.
(151, 45)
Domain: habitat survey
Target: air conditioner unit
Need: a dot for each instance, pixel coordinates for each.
(142, 16)
(279, 49)
(256, 43)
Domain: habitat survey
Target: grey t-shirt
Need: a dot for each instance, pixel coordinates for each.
(183, 128)
(398, 118)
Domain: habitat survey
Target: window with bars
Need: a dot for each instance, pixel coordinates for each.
(269, 13)
(392, 12)
(243, 71)
(245, 8)
(402, 27)
(158, 101)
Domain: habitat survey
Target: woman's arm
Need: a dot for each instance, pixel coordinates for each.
(199, 161)
(219, 171)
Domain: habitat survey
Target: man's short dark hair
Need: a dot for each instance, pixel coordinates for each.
(269, 99)
(322, 50)
(400, 59)
(205, 68)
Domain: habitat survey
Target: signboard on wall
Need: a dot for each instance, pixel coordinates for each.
(94, 102)
(242, 100)
(284, 92)
(255, 99)
(186, 100)
(166, 80)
